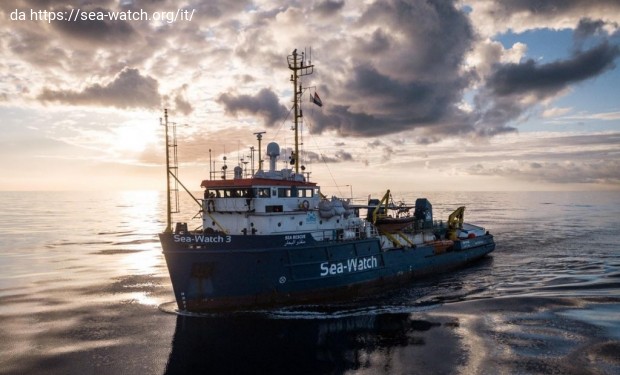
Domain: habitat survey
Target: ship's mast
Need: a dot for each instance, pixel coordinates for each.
(172, 169)
(168, 201)
(297, 64)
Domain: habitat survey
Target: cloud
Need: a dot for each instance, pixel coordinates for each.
(344, 156)
(327, 7)
(182, 105)
(383, 67)
(543, 80)
(512, 90)
(567, 171)
(99, 30)
(400, 71)
(493, 17)
(560, 116)
(556, 112)
(337, 156)
(554, 158)
(386, 150)
(180, 102)
(264, 104)
(129, 89)
(587, 28)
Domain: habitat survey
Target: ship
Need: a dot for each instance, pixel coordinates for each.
(271, 237)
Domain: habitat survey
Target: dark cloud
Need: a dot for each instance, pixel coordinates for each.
(182, 105)
(33, 46)
(336, 157)
(427, 37)
(344, 156)
(97, 30)
(587, 27)
(311, 157)
(406, 75)
(379, 42)
(346, 122)
(386, 150)
(265, 104)
(549, 7)
(374, 143)
(494, 113)
(179, 103)
(129, 89)
(547, 79)
(507, 95)
(327, 7)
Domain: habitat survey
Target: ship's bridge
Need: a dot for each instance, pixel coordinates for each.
(259, 195)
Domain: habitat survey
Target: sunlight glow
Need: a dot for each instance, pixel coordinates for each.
(133, 136)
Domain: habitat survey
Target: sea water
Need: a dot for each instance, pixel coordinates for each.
(84, 290)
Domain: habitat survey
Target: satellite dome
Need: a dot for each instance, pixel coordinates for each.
(273, 149)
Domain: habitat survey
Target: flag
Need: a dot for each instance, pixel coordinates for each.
(316, 100)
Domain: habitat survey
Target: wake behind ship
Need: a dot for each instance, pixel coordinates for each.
(272, 238)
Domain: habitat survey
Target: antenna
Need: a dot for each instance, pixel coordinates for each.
(252, 158)
(259, 136)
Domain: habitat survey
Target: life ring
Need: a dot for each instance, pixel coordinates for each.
(210, 205)
(305, 205)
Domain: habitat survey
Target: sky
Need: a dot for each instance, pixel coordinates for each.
(417, 95)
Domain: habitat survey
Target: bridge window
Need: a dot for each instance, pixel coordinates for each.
(305, 193)
(284, 192)
(230, 193)
(263, 192)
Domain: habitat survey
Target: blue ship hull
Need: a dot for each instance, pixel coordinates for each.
(218, 271)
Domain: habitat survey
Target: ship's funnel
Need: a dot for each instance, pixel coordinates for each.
(273, 151)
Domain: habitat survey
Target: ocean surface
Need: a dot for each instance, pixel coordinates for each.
(84, 289)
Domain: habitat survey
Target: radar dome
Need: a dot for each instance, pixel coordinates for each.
(273, 149)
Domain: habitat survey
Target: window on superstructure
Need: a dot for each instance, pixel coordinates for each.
(234, 193)
(284, 192)
(214, 193)
(305, 193)
(263, 192)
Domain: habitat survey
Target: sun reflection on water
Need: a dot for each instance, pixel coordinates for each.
(140, 214)
(143, 262)
(143, 298)
(141, 210)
